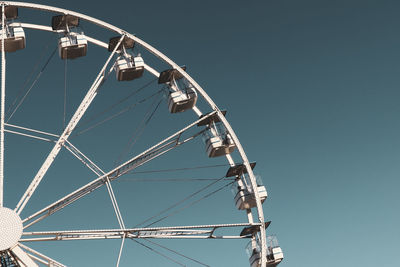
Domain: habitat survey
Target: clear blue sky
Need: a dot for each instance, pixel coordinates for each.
(311, 89)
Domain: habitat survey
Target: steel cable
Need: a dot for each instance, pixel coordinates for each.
(33, 84)
(65, 92)
(190, 204)
(114, 115)
(139, 131)
(159, 253)
(95, 116)
(179, 202)
(177, 253)
(21, 90)
(183, 169)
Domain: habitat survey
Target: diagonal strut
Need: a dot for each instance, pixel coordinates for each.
(91, 94)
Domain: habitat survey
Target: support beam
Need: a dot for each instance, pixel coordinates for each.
(157, 150)
(194, 83)
(23, 258)
(41, 257)
(91, 94)
(3, 95)
(172, 232)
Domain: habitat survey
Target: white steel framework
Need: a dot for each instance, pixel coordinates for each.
(3, 96)
(27, 256)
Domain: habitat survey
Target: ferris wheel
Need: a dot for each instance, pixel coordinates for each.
(111, 113)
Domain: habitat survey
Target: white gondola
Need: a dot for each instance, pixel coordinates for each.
(14, 39)
(244, 195)
(182, 95)
(274, 252)
(72, 45)
(128, 68)
(218, 141)
(182, 100)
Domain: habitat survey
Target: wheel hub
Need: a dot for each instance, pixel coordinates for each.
(10, 228)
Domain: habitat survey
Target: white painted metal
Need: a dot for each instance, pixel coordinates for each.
(180, 101)
(67, 132)
(161, 228)
(10, 228)
(274, 253)
(120, 236)
(244, 194)
(172, 232)
(72, 46)
(83, 158)
(244, 197)
(43, 258)
(120, 250)
(186, 76)
(17, 41)
(29, 135)
(23, 258)
(115, 204)
(14, 37)
(3, 90)
(218, 141)
(157, 74)
(128, 67)
(30, 130)
(277, 253)
(99, 172)
(155, 151)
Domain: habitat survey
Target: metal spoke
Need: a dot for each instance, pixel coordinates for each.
(166, 145)
(68, 130)
(3, 95)
(83, 158)
(31, 133)
(176, 252)
(159, 253)
(22, 257)
(99, 172)
(182, 232)
(31, 136)
(157, 150)
(41, 257)
(31, 130)
(120, 250)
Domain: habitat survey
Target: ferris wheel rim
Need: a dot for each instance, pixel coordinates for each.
(167, 60)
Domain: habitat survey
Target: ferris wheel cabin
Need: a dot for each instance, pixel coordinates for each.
(242, 190)
(127, 66)
(244, 195)
(217, 139)
(14, 38)
(274, 252)
(73, 44)
(182, 95)
(14, 35)
(180, 101)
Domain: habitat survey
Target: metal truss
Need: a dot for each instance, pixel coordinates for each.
(157, 150)
(173, 232)
(87, 100)
(105, 178)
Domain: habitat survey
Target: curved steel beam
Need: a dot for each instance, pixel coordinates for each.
(163, 57)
